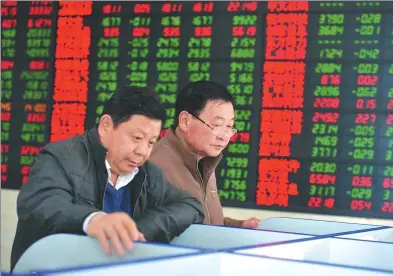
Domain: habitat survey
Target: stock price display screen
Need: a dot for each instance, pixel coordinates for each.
(312, 82)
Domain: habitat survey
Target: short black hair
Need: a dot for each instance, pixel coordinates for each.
(195, 95)
(133, 100)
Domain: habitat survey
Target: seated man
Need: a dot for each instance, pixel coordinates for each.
(99, 184)
(190, 152)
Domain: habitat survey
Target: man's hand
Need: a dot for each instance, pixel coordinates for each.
(118, 228)
(250, 223)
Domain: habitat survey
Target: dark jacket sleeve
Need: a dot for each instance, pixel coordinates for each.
(45, 203)
(171, 210)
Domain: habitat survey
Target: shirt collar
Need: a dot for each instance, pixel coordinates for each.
(123, 179)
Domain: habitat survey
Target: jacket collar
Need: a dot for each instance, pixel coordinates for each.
(98, 150)
(188, 158)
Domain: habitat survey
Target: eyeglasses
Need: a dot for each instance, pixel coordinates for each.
(219, 130)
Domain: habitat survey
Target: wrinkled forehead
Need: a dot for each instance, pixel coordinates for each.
(218, 110)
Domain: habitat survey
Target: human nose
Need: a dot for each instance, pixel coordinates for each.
(223, 133)
(142, 149)
(223, 136)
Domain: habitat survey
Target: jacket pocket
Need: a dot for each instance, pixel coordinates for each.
(86, 200)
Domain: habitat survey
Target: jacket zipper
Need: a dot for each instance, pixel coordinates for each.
(204, 194)
(103, 197)
(140, 191)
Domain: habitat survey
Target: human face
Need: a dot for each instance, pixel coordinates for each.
(209, 133)
(130, 143)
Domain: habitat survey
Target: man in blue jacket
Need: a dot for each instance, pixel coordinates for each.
(100, 184)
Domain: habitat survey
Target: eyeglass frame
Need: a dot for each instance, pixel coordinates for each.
(214, 129)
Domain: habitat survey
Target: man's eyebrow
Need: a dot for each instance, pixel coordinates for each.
(222, 118)
(141, 130)
(144, 133)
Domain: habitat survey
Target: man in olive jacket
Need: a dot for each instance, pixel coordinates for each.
(100, 185)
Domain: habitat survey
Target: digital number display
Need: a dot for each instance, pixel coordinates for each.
(312, 84)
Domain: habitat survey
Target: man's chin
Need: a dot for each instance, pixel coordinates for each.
(214, 153)
(130, 168)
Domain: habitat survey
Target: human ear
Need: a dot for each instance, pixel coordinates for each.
(184, 121)
(105, 125)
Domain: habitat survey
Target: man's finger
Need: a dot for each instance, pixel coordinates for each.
(141, 237)
(102, 239)
(125, 237)
(131, 228)
(112, 235)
